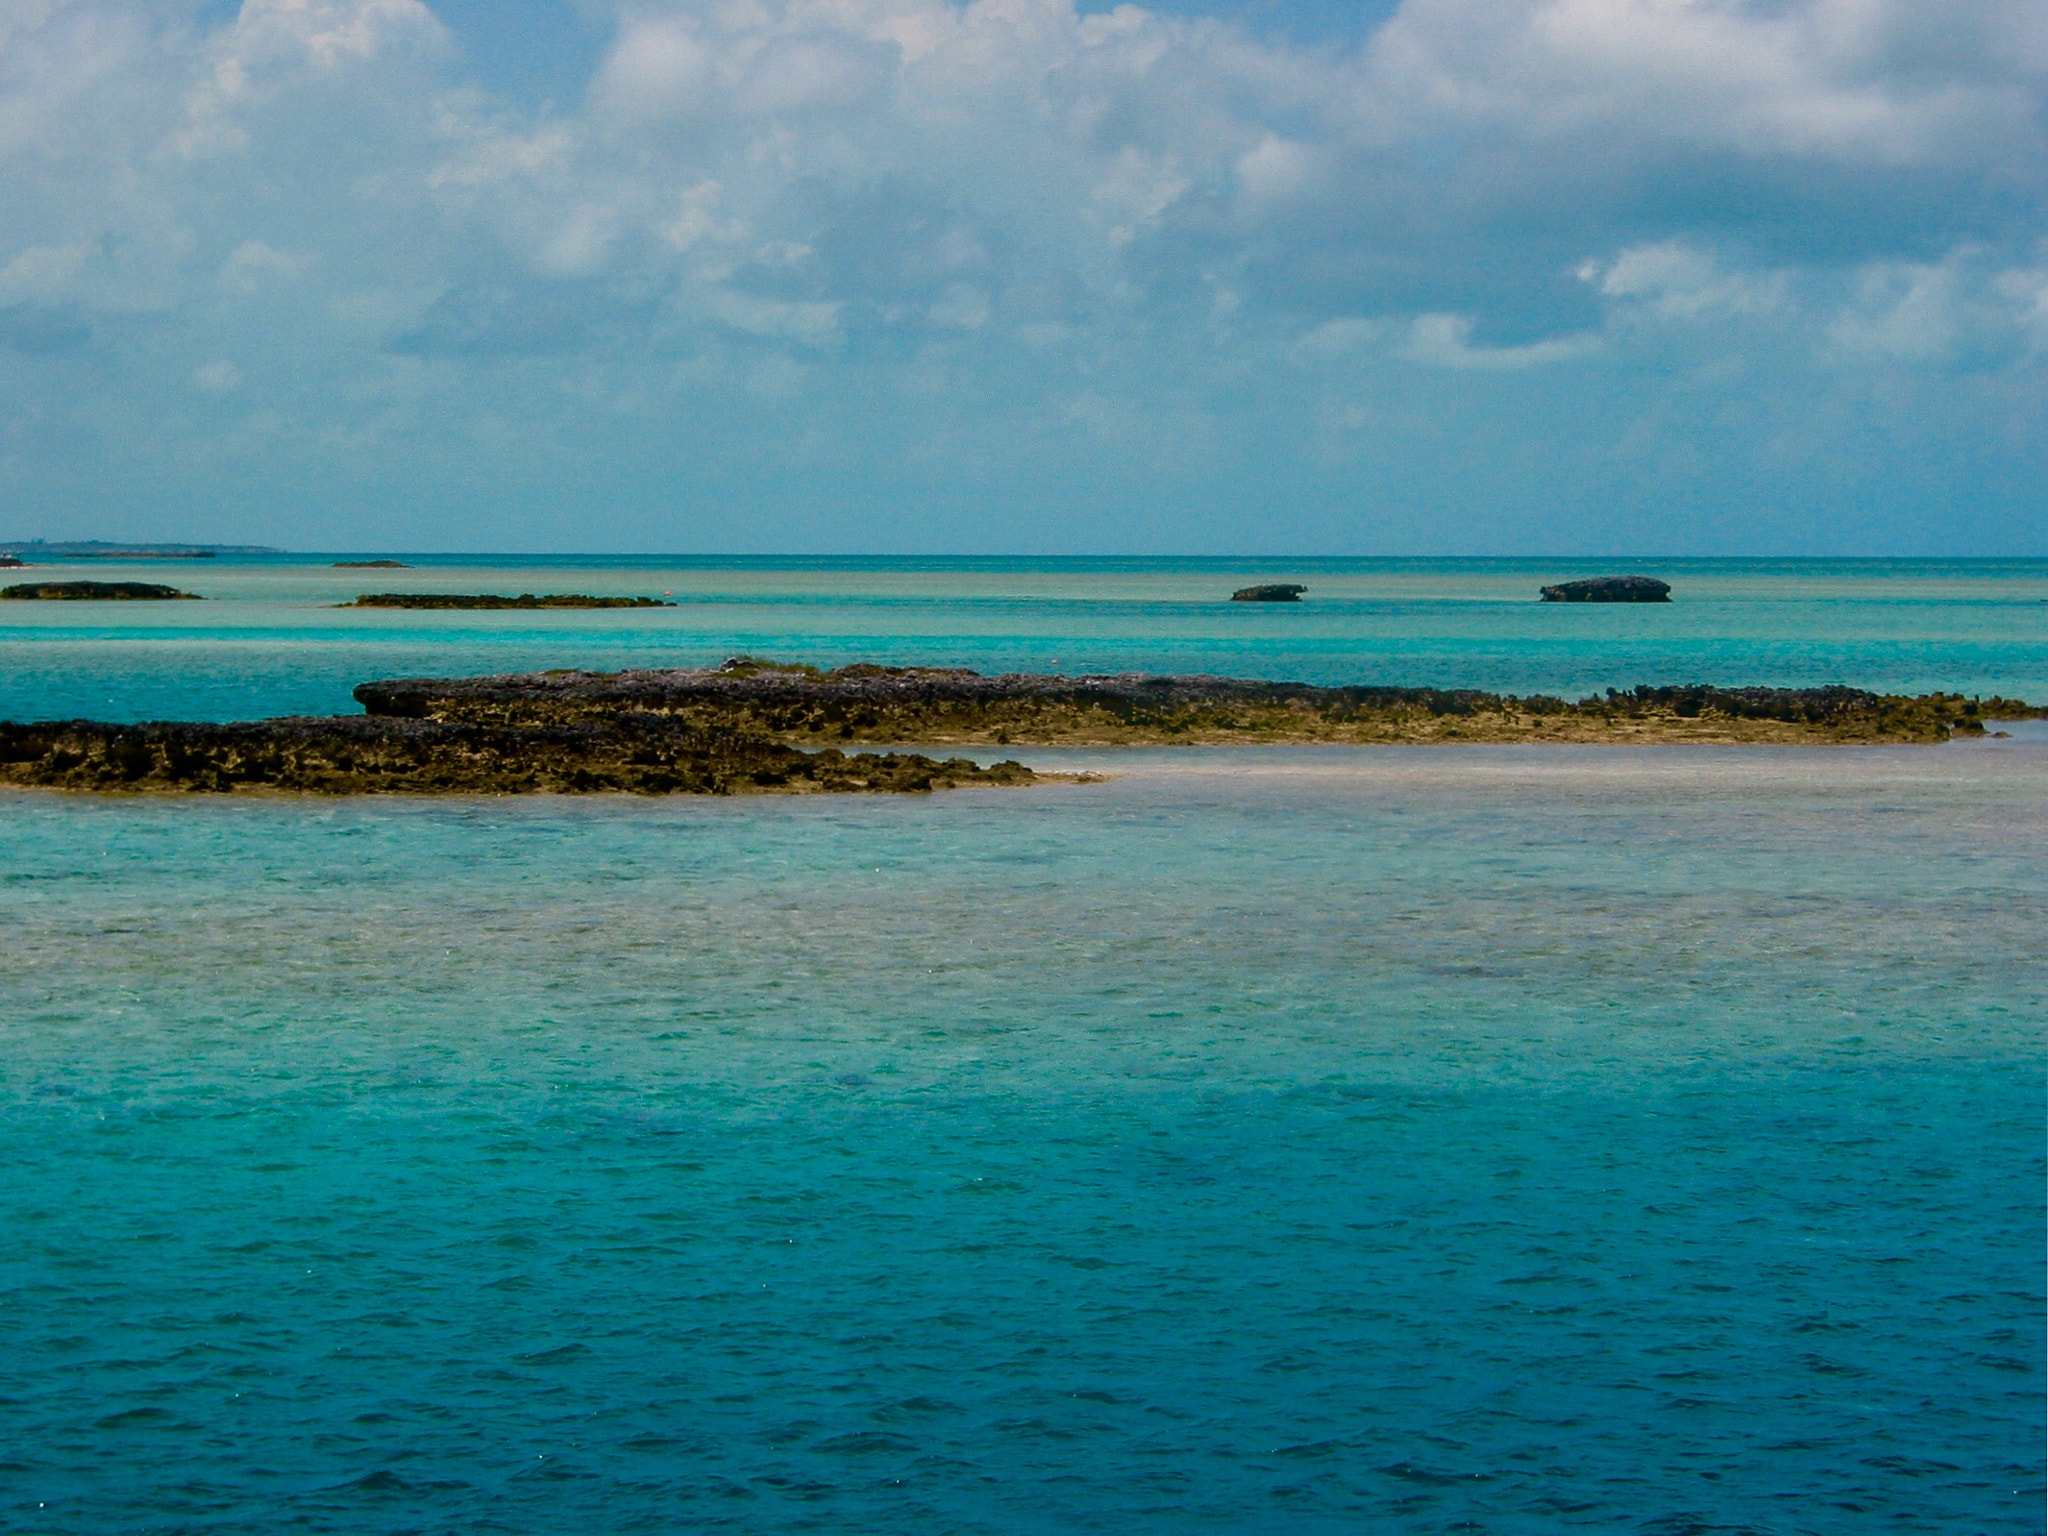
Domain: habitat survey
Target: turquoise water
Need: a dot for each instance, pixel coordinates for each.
(270, 642)
(1411, 1140)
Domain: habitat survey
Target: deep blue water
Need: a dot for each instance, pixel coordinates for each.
(1500, 1139)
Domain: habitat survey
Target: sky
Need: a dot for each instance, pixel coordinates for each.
(910, 276)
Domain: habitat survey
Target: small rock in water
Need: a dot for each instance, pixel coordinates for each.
(471, 600)
(1272, 592)
(93, 591)
(1610, 589)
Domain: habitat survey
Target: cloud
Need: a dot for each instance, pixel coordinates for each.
(1877, 82)
(656, 69)
(256, 265)
(987, 211)
(1965, 310)
(2025, 290)
(1446, 341)
(1675, 280)
(275, 46)
(43, 272)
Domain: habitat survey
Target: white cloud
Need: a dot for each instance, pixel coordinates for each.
(811, 324)
(1674, 280)
(657, 68)
(1352, 334)
(255, 265)
(1134, 190)
(330, 34)
(43, 272)
(580, 243)
(697, 220)
(1445, 341)
(218, 377)
(275, 46)
(832, 71)
(1905, 310)
(1275, 168)
(2025, 289)
(1848, 80)
(1963, 309)
(844, 198)
(481, 151)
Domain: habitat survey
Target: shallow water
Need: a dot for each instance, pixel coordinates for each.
(269, 640)
(1505, 1139)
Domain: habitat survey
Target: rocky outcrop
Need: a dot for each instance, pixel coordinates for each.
(492, 600)
(370, 565)
(800, 706)
(365, 755)
(1271, 592)
(743, 729)
(1610, 589)
(96, 591)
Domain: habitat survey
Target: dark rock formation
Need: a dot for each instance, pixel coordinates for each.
(1610, 589)
(737, 730)
(804, 706)
(868, 702)
(492, 600)
(95, 591)
(370, 565)
(1272, 592)
(9, 563)
(362, 755)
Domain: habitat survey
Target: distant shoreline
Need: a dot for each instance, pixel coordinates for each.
(61, 551)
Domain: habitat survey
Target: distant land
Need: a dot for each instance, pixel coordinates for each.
(105, 549)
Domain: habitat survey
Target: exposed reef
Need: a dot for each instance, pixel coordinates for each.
(355, 754)
(1271, 592)
(370, 565)
(744, 727)
(1610, 589)
(95, 591)
(800, 706)
(492, 600)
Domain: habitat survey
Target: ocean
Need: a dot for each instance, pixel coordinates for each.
(1510, 1139)
(269, 640)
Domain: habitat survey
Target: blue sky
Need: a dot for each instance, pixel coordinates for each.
(1263, 276)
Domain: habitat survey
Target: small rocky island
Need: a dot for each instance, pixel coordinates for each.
(96, 591)
(370, 565)
(491, 600)
(1271, 592)
(1610, 589)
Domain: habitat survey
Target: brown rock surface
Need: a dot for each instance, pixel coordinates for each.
(804, 706)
